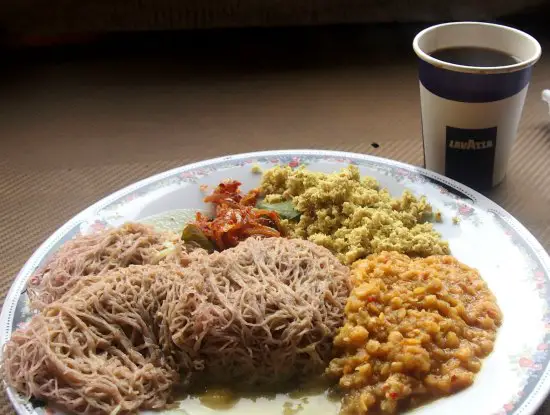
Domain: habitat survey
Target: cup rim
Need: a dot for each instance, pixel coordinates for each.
(477, 69)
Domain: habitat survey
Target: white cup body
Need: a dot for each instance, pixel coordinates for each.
(470, 115)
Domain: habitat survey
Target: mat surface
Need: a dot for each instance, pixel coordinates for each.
(78, 125)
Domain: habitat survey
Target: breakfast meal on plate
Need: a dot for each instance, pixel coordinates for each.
(308, 277)
(415, 330)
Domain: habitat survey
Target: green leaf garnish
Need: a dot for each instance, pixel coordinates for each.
(285, 209)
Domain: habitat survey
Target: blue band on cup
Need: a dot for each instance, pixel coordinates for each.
(472, 87)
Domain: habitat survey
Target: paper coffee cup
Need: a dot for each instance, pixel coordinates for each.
(470, 114)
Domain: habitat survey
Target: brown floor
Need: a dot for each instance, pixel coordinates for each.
(78, 123)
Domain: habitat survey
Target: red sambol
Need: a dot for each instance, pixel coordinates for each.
(236, 217)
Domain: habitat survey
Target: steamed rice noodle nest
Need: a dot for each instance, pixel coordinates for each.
(101, 347)
(258, 314)
(99, 253)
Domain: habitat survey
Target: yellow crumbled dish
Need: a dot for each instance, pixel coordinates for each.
(353, 216)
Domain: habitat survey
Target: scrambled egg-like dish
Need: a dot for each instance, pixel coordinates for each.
(353, 216)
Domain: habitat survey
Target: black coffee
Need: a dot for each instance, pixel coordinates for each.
(472, 56)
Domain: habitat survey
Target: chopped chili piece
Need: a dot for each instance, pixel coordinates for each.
(492, 313)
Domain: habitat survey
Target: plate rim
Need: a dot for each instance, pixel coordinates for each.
(532, 402)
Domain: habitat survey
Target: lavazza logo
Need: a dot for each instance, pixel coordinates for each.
(470, 144)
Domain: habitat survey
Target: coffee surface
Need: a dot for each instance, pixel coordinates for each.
(474, 56)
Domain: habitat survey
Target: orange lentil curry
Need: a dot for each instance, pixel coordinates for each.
(415, 330)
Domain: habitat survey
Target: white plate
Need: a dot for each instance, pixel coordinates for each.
(514, 378)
